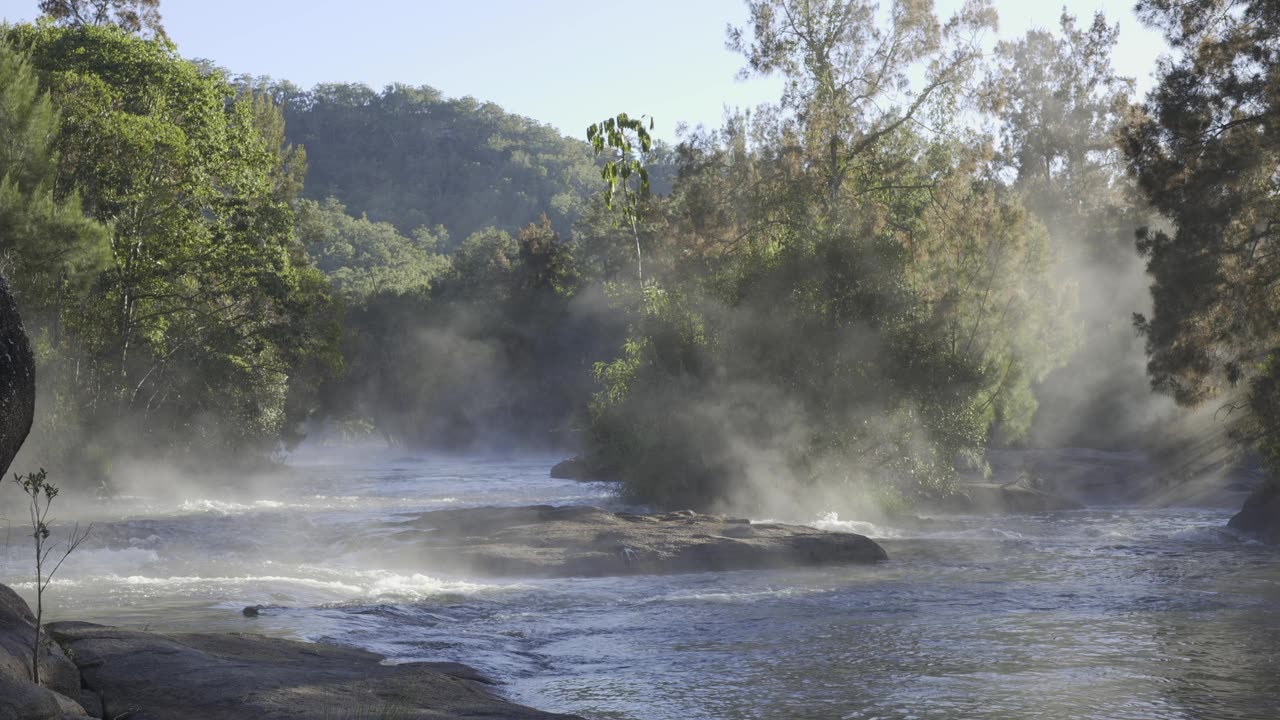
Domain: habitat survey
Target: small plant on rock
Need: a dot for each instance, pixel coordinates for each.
(40, 495)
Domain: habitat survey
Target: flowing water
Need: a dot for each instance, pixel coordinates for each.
(1105, 613)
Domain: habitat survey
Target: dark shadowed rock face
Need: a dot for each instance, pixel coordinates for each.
(147, 676)
(546, 541)
(17, 381)
(1260, 515)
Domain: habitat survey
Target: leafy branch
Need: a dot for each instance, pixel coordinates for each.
(627, 168)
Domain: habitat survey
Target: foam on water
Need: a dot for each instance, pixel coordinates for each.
(831, 521)
(225, 507)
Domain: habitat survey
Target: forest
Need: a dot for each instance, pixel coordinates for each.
(921, 251)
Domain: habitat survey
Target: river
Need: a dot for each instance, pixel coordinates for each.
(1106, 613)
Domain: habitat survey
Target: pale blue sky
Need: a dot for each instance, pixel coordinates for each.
(564, 62)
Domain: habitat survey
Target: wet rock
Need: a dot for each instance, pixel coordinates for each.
(17, 631)
(149, 676)
(576, 541)
(91, 702)
(577, 468)
(257, 610)
(17, 381)
(1260, 515)
(23, 700)
(68, 707)
(20, 698)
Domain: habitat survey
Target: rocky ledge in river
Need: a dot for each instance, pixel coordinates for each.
(114, 673)
(575, 541)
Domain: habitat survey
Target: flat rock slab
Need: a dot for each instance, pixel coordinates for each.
(576, 541)
(148, 676)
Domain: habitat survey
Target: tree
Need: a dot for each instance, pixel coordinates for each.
(1057, 104)
(625, 169)
(861, 299)
(46, 243)
(1203, 150)
(847, 76)
(191, 334)
(134, 16)
(53, 252)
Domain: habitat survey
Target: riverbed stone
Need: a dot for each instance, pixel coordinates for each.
(579, 541)
(150, 676)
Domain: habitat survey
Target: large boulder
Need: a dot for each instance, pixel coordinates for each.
(148, 676)
(575, 541)
(17, 380)
(1260, 515)
(20, 698)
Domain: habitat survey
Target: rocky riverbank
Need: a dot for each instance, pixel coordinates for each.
(91, 670)
(577, 541)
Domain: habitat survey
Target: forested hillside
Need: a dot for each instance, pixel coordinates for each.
(413, 158)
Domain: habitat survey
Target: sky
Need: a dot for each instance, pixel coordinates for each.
(567, 63)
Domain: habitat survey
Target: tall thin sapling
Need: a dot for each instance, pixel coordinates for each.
(615, 135)
(40, 494)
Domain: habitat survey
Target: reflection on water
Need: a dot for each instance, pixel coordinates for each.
(1106, 614)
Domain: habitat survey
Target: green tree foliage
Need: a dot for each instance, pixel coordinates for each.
(135, 16)
(411, 157)
(625, 174)
(363, 258)
(1058, 105)
(493, 346)
(47, 242)
(192, 332)
(846, 75)
(860, 301)
(51, 250)
(1203, 151)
